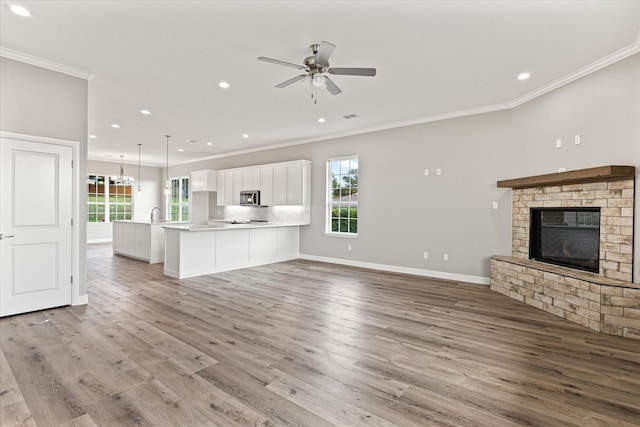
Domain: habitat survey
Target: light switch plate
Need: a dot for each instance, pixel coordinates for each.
(495, 205)
(558, 143)
(577, 139)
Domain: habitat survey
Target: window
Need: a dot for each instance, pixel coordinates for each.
(96, 201)
(179, 199)
(342, 196)
(112, 195)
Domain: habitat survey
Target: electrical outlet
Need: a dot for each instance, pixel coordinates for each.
(426, 172)
(558, 143)
(445, 257)
(562, 169)
(438, 171)
(348, 247)
(577, 139)
(494, 205)
(426, 255)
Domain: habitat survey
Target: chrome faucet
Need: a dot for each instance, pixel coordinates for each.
(160, 210)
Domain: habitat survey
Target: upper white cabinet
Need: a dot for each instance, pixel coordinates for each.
(280, 184)
(205, 180)
(250, 179)
(295, 180)
(266, 185)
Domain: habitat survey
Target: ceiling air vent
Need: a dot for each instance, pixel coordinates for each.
(351, 116)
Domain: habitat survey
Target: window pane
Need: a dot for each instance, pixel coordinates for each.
(335, 167)
(353, 226)
(344, 167)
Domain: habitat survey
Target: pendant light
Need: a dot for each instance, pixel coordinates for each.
(139, 186)
(121, 169)
(167, 191)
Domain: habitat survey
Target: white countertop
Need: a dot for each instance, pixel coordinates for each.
(227, 225)
(161, 222)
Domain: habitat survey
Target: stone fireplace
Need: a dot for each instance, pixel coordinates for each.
(604, 300)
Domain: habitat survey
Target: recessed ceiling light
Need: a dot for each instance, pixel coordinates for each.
(19, 10)
(115, 126)
(245, 136)
(181, 149)
(209, 143)
(321, 120)
(92, 136)
(224, 85)
(145, 112)
(523, 76)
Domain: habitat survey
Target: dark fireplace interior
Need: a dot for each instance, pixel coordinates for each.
(566, 236)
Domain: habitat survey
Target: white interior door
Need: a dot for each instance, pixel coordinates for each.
(35, 226)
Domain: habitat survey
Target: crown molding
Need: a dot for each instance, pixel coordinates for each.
(44, 63)
(582, 72)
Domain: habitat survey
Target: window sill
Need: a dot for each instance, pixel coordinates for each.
(347, 235)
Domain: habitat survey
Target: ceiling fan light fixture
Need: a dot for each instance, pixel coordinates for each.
(319, 80)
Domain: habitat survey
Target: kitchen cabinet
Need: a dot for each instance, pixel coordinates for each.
(221, 178)
(205, 180)
(291, 183)
(280, 184)
(250, 179)
(266, 185)
(229, 183)
(294, 184)
(200, 250)
(140, 240)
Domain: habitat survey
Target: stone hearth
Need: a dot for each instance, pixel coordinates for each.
(606, 302)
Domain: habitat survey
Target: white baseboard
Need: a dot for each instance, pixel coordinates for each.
(80, 300)
(405, 270)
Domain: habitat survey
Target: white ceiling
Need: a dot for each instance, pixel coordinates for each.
(435, 59)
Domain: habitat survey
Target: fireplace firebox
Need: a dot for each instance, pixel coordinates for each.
(568, 237)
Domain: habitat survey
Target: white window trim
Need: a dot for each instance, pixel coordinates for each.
(328, 201)
(107, 203)
(180, 204)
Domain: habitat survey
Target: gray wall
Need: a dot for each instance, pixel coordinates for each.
(403, 213)
(604, 108)
(37, 101)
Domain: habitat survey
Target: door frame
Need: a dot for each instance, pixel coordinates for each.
(76, 298)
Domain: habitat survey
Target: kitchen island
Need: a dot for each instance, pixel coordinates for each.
(195, 250)
(143, 240)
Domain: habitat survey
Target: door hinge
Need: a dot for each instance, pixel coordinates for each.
(72, 222)
(71, 164)
(72, 279)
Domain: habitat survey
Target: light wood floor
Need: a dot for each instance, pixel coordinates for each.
(306, 343)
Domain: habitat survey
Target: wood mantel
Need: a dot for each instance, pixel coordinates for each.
(581, 176)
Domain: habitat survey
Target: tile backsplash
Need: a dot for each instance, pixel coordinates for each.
(288, 214)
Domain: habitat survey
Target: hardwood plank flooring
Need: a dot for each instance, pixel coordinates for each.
(306, 343)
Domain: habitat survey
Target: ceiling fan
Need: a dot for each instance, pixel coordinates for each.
(316, 66)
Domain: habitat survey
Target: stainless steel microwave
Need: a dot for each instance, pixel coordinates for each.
(250, 198)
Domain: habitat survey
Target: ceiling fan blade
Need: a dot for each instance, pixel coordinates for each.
(331, 86)
(277, 61)
(324, 52)
(353, 71)
(291, 81)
